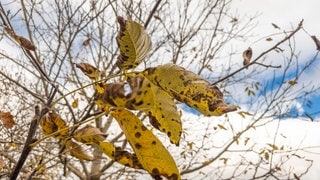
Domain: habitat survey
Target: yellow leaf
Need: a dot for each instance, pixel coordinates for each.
(164, 115)
(120, 156)
(7, 119)
(134, 44)
(135, 95)
(273, 146)
(89, 135)
(222, 127)
(189, 88)
(77, 151)
(292, 83)
(75, 103)
(89, 70)
(114, 95)
(266, 156)
(152, 155)
(51, 123)
(103, 106)
(141, 96)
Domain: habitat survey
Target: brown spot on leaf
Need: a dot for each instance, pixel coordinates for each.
(143, 128)
(137, 134)
(137, 145)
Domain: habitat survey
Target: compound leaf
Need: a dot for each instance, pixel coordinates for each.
(134, 44)
(189, 88)
(152, 155)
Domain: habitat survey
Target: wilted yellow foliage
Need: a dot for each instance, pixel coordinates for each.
(120, 156)
(189, 88)
(152, 155)
(164, 115)
(134, 44)
(135, 94)
(51, 123)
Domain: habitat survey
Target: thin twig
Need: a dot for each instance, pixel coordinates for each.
(262, 54)
(155, 7)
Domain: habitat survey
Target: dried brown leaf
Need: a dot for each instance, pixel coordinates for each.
(86, 42)
(75, 103)
(247, 55)
(25, 43)
(7, 119)
(89, 135)
(77, 151)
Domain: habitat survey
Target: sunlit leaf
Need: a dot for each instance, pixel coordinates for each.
(292, 83)
(141, 96)
(89, 70)
(189, 88)
(7, 119)
(77, 151)
(135, 94)
(164, 115)
(273, 146)
(152, 155)
(120, 156)
(89, 135)
(75, 103)
(247, 55)
(52, 122)
(244, 113)
(222, 127)
(134, 44)
(266, 155)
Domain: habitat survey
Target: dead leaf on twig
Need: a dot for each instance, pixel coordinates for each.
(7, 119)
(247, 55)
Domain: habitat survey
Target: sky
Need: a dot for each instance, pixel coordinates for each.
(287, 14)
